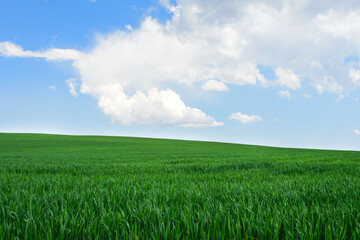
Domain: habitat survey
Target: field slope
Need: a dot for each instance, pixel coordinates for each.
(89, 187)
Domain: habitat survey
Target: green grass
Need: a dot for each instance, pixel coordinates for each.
(88, 187)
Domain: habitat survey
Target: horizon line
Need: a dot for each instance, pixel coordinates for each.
(181, 139)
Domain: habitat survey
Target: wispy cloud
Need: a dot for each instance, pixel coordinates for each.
(285, 94)
(9, 49)
(243, 118)
(72, 86)
(213, 85)
(287, 78)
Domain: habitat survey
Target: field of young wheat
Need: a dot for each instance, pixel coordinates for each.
(88, 187)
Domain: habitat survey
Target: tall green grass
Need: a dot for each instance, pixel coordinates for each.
(76, 187)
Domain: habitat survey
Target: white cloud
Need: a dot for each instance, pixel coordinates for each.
(138, 61)
(340, 23)
(163, 55)
(9, 49)
(129, 27)
(227, 40)
(215, 86)
(152, 57)
(72, 86)
(285, 94)
(287, 78)
(330, 85)
(319, 88)
(355, 76)
(243, 118)
(284, 34)
(356, 131)
(156, 107)
(52, 88)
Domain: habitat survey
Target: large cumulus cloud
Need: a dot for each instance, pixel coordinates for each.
(130, 72)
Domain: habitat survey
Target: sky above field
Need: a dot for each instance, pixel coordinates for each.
(279, 73)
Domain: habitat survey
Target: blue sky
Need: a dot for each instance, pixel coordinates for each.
(269, 73)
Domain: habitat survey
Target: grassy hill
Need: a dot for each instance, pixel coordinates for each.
(72, 187)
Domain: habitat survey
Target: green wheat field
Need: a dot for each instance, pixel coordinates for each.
(94, 187)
